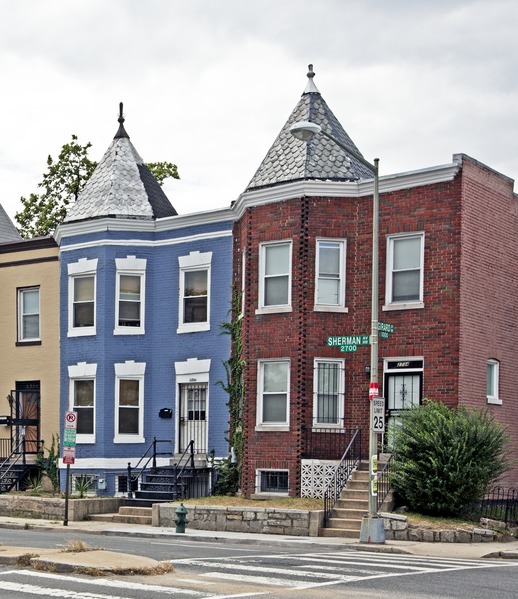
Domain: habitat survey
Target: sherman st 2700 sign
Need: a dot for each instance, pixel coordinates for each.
(349, 343)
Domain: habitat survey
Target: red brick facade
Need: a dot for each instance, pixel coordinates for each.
(469, 313)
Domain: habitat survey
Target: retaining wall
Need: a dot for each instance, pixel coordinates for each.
(53, 508)
(303, 523)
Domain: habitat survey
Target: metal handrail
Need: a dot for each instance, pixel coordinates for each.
(9, 463)
(384, 476)
(145, 463)
(350, 460)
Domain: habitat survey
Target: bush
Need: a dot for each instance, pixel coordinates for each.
(445, 460)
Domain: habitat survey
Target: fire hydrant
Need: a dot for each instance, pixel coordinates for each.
(181, 518)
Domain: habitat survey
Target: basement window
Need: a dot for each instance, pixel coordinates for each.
(273, 481)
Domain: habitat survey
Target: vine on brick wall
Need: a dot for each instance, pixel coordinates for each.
(230, 473)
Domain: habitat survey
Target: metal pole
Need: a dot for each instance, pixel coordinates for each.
(67, 493)
(373, 437)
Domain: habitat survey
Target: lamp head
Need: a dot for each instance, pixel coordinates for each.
(305, 130)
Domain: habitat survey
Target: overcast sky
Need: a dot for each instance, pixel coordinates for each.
(208, 84)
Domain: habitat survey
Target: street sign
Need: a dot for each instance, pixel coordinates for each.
(378, 414)
(69, 455)
(348, 340)
(385, 329)
(70, 420)
(69, 437)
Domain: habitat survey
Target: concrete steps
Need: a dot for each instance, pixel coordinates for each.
(127, 515)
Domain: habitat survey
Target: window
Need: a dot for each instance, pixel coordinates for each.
(194, 313)
(405, 271)
(82, 399)
(273, 481)
(275, 277)
(129, 402)
(81, 292)
(29, 314)
(493, 375)
(130, 293)
(330, 275)
(328, 402)
(273, 390)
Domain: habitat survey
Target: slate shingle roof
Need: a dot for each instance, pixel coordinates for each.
(290, 159)
(121, 186)
(8, 231)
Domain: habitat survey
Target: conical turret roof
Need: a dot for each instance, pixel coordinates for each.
(8, 232)
(290, 159)
(121, 186)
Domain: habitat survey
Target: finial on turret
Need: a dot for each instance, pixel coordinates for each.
(121, 131)
(311, 87)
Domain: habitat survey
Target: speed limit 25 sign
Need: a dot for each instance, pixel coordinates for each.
(378, 414)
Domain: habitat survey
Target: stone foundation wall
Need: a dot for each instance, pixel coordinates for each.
(396, 528)
(53, 508)
(301, 523)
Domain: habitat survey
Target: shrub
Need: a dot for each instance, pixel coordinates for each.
(445, 460)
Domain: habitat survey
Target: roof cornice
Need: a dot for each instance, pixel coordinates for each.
(170, 223)
(344, 189)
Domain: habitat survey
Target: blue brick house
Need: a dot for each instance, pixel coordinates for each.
(143, 294)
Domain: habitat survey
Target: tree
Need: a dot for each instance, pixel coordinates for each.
(445, 460)
(61, 185)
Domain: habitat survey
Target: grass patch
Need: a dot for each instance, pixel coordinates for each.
(78, 546)
(438, 523)
(285, 503)
(25, 560)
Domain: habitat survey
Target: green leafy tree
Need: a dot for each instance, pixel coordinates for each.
(61, 184)
(445, 459)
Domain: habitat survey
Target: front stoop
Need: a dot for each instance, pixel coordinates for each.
(127, 515)
(349, 510)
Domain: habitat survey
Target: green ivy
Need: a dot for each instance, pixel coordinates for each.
(230, 473)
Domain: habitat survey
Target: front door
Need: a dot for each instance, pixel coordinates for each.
(25, 417)
(193, 417)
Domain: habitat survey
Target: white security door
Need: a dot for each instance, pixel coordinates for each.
(193, 417)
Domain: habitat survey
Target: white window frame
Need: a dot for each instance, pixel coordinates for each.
(21, 314)
(81, 268)
(494, 397)
(77, 372)
(340, 305)
(136, 267)
(195, 261)
(258, 478)
(272, 426)
(130, 370)
(340, 393)
(403, 305)
(263, 247)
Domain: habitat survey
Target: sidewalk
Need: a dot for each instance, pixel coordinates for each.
(110, 561)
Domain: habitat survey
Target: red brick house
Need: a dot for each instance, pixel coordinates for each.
(448, 283)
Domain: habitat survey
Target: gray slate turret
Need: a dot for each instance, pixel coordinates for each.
(291, 160)
(8, 232)
(121, 186)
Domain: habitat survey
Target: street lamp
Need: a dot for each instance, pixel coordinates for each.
(372, 528)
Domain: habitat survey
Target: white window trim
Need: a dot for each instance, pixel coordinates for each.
(274, 426)
(20, 337)
(83, 267)
(340, 307)
(262, 309)
(194, 261)
(494, 399)
(258, 473)
(389, 304)
(134, 371)
(134, 267)
(82, 371)
(341, 392)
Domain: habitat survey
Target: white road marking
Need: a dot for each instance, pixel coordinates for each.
(47, 592)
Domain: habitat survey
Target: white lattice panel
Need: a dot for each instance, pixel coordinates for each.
(316, 475)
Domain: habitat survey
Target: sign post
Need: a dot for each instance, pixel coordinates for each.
(69, 452)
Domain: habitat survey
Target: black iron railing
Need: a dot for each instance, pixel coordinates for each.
(5, 448)
(499, 504)
(321, 442)
(14, 467)
(150, 455)
(350, 460)
(384, 476)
